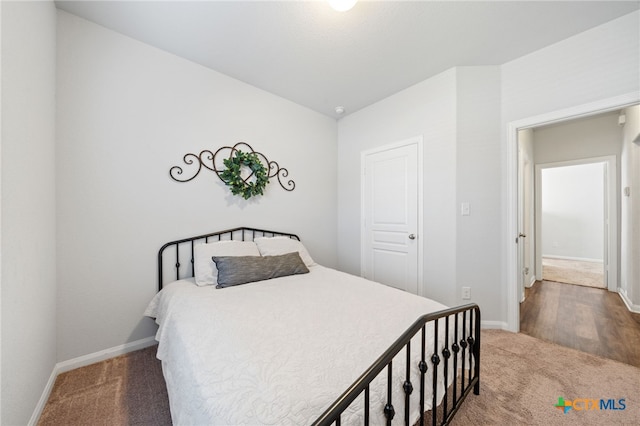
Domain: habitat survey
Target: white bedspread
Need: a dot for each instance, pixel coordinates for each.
(279, 352)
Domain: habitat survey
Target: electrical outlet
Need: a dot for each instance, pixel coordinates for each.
(466, 293)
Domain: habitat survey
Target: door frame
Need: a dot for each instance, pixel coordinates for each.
(610, 219)
(418, 141)
(511, 222)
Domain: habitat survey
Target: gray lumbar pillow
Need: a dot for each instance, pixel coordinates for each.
(235, 270)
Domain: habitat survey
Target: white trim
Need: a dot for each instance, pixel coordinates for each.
(421, 288)
(630, 306)
(511, 222)
(43, 398)
(530, 285)
(1, 214)
(611, 216)
(418, 141)
(579, 259)
(89, 359)
(493, 325)
(83, 361)
(578, 111)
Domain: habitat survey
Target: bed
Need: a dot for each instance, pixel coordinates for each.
(252, 331)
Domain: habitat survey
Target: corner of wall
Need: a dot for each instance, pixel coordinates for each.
(632, 307)
(27, 244)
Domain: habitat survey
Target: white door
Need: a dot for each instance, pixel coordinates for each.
(390, 213)
(607, 283)
(520, 239)
(526, 258)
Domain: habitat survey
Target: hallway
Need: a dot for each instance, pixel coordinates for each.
(587, 319)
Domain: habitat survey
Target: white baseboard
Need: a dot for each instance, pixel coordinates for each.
(43, 398)
(630, 305)
(83, 361)
(499, 325)
(531, 282)
(579, 259)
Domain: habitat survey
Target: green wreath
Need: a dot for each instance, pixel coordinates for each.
(233, 178)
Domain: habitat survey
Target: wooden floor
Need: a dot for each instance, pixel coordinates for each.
(588, 319)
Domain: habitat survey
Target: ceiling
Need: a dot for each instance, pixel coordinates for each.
(312, 55)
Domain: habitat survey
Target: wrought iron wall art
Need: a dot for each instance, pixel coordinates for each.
(226, 163)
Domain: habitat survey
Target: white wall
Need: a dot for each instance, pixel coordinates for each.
(28, 206)
(630, 207)
(457, 112)
(589, 137)
(428, 109)
(128, 112)
(477, 183)
(573, 212)
(598, 64)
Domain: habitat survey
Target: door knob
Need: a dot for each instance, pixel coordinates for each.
(521, 235)
(412, 236)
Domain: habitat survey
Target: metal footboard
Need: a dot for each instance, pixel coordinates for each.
(460, 351)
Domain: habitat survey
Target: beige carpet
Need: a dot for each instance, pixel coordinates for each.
(126, 390)
(590, 274)
(523, 377)
(521, 381)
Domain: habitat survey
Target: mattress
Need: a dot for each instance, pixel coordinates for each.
(279, 352)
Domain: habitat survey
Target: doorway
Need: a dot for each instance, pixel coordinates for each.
(572, 210)
(512, 230)
(391, 209)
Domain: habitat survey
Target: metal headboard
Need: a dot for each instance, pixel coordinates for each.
(235, 234)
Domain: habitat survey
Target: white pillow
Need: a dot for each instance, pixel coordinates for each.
(275, 246)
(206, 272)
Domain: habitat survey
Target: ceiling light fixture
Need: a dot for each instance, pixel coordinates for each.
(339, 110)
(342, 5)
